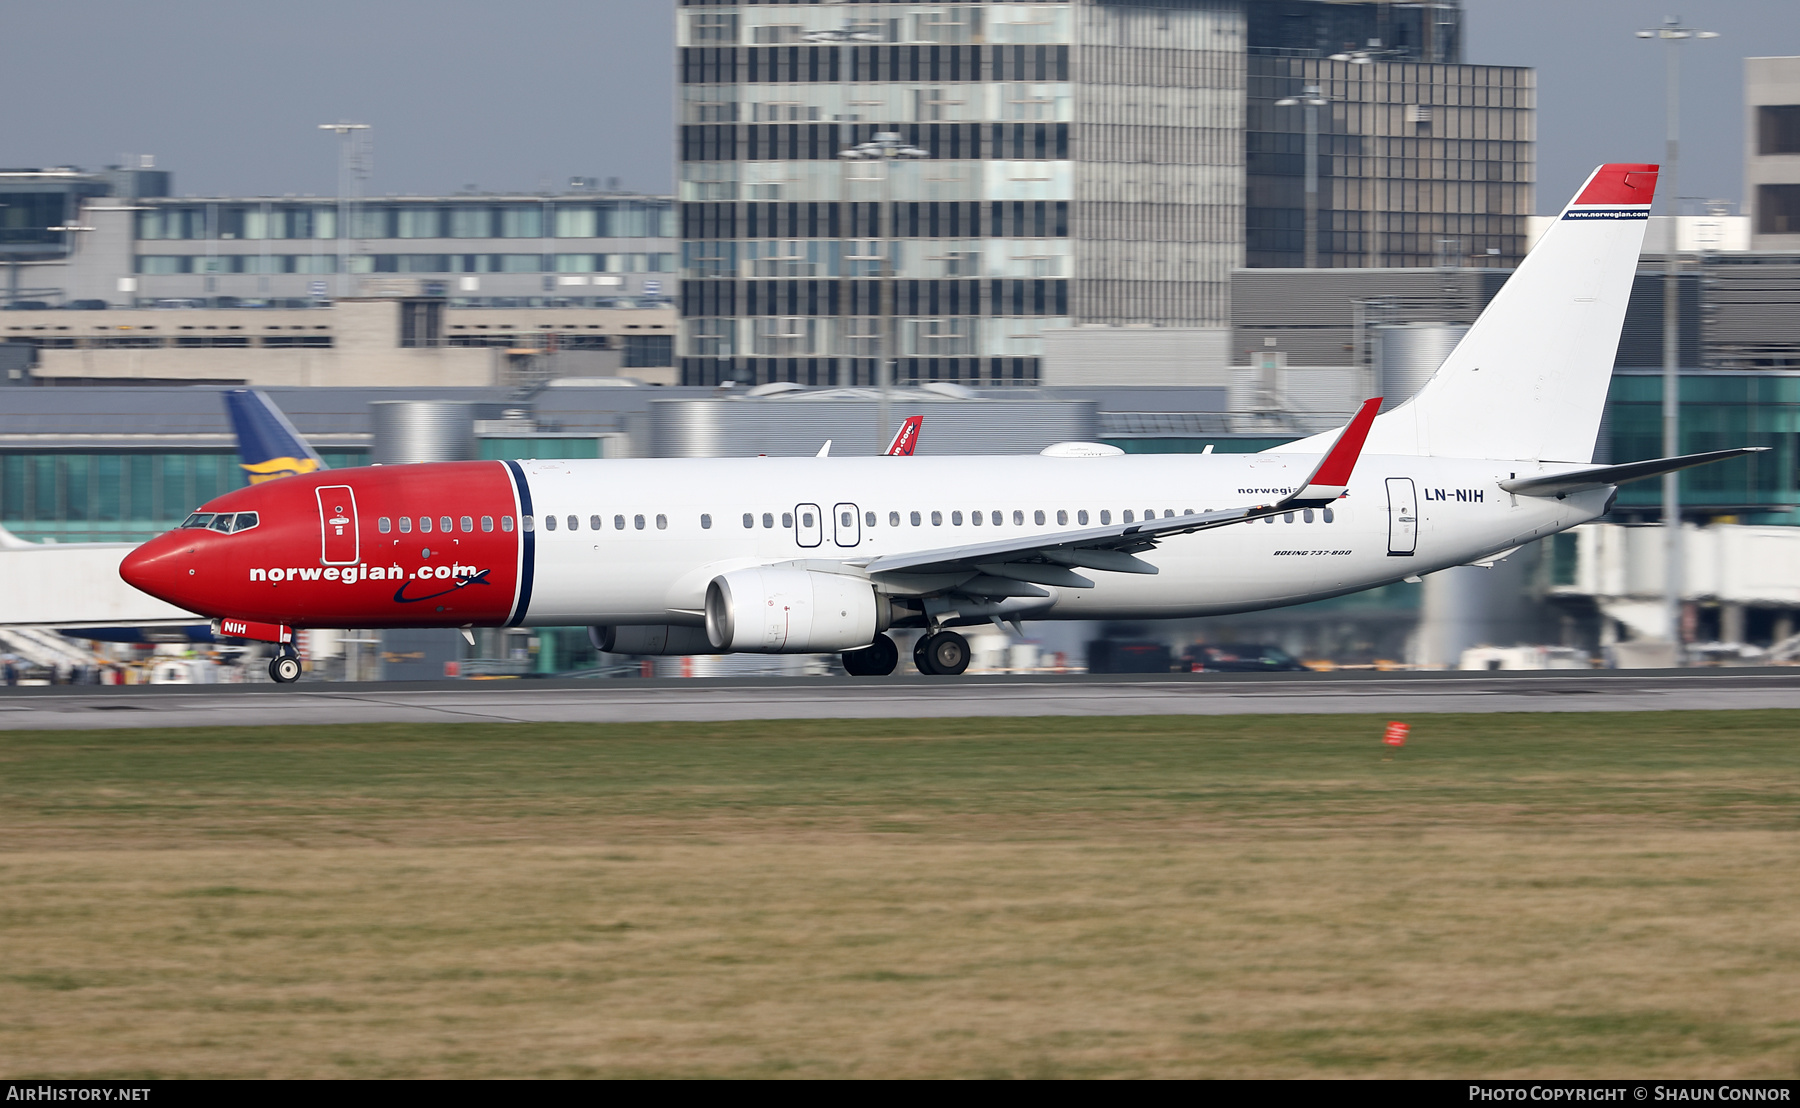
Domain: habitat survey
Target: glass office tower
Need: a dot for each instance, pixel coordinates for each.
(1084, 164)
(1003, 230)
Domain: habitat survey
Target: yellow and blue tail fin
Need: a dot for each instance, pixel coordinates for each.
(268, 446)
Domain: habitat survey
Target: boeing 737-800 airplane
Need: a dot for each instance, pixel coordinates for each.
(811, 555)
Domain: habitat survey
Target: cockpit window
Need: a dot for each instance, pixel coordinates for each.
(223, 522)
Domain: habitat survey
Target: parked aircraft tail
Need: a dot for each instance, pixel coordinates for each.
(268, 445)
(1529, 380)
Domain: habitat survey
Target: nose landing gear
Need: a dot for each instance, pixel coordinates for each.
(284, 667)
(878, 659)
(945, 654)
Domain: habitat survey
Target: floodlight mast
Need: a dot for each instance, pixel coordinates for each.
(1672, 34)
(1312, 100)
(350, 166)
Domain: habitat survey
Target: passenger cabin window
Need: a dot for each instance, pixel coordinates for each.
(806, 520)
(975, 519)
(937, 519)
(487, 523)
(594, 523)
(384, 525)
(406, 525)
(1062, 517)
(1328, 516)
(1126, 517)
(638, 522)
(956, 519)
(705, 522)
(466, 524)
(749, 521)
(424, 525)
(618, 523)
(549, 523)
(526, 523)
(869, 519)
(1105, 517)
(1307, 515)
(894, 519)
(915, 519)
(1082, 517)
(769, 520)
(662, 523)
(445, 524)
(787, 519)
(1037, 517)
(574, 523)
(506, 523)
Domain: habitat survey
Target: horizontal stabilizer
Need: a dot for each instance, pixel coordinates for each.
(1581, 480)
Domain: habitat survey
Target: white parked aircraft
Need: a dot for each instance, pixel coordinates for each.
(808, 555)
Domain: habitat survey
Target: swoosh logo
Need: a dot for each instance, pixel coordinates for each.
(400, 596)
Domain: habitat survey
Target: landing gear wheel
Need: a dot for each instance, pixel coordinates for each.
(878, 659)
(284, 668)
(920, 661)
(945, 653)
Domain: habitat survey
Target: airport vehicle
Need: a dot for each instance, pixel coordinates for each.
(823, 554)
(1242, 658)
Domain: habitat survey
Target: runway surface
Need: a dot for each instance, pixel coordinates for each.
(634, 701)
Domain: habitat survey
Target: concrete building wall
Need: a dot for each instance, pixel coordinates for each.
(1772, 154)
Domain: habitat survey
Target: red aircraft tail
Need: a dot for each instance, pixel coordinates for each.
(905, 439)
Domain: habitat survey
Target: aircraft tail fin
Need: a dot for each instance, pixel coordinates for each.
(268, 445)
(906, 440)
(1529, 380)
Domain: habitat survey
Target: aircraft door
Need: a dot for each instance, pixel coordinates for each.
(846, 524)
(337, 524)
(1403, 517)
(809, 527)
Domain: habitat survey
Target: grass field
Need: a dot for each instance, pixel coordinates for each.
(1549, 895)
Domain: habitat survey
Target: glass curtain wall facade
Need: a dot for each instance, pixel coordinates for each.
(786, 245)
(1419, 164)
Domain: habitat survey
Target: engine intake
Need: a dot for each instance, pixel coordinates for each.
(790, 611)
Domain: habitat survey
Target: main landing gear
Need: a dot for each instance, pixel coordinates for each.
(945, 654)
(284, 667)
(878, 659)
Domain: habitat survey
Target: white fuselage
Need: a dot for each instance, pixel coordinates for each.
(1403, 516)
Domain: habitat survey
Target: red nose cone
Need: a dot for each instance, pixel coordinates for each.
(162, 567)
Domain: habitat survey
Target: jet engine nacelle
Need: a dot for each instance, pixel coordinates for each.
(659, 639)
(789, 611)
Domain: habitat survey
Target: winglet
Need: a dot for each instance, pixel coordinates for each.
(906, 439)
(1332, 478)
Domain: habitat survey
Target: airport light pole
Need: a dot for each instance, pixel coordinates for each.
(1312, 100)
(350, 168)
(885, 148)
(1672, 34)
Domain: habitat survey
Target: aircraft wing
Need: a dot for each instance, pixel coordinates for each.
(1581, 480)
(1002, 567)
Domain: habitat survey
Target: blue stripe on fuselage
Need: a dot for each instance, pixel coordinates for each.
(528, 542)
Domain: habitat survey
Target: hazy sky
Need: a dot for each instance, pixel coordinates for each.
(525, 94)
